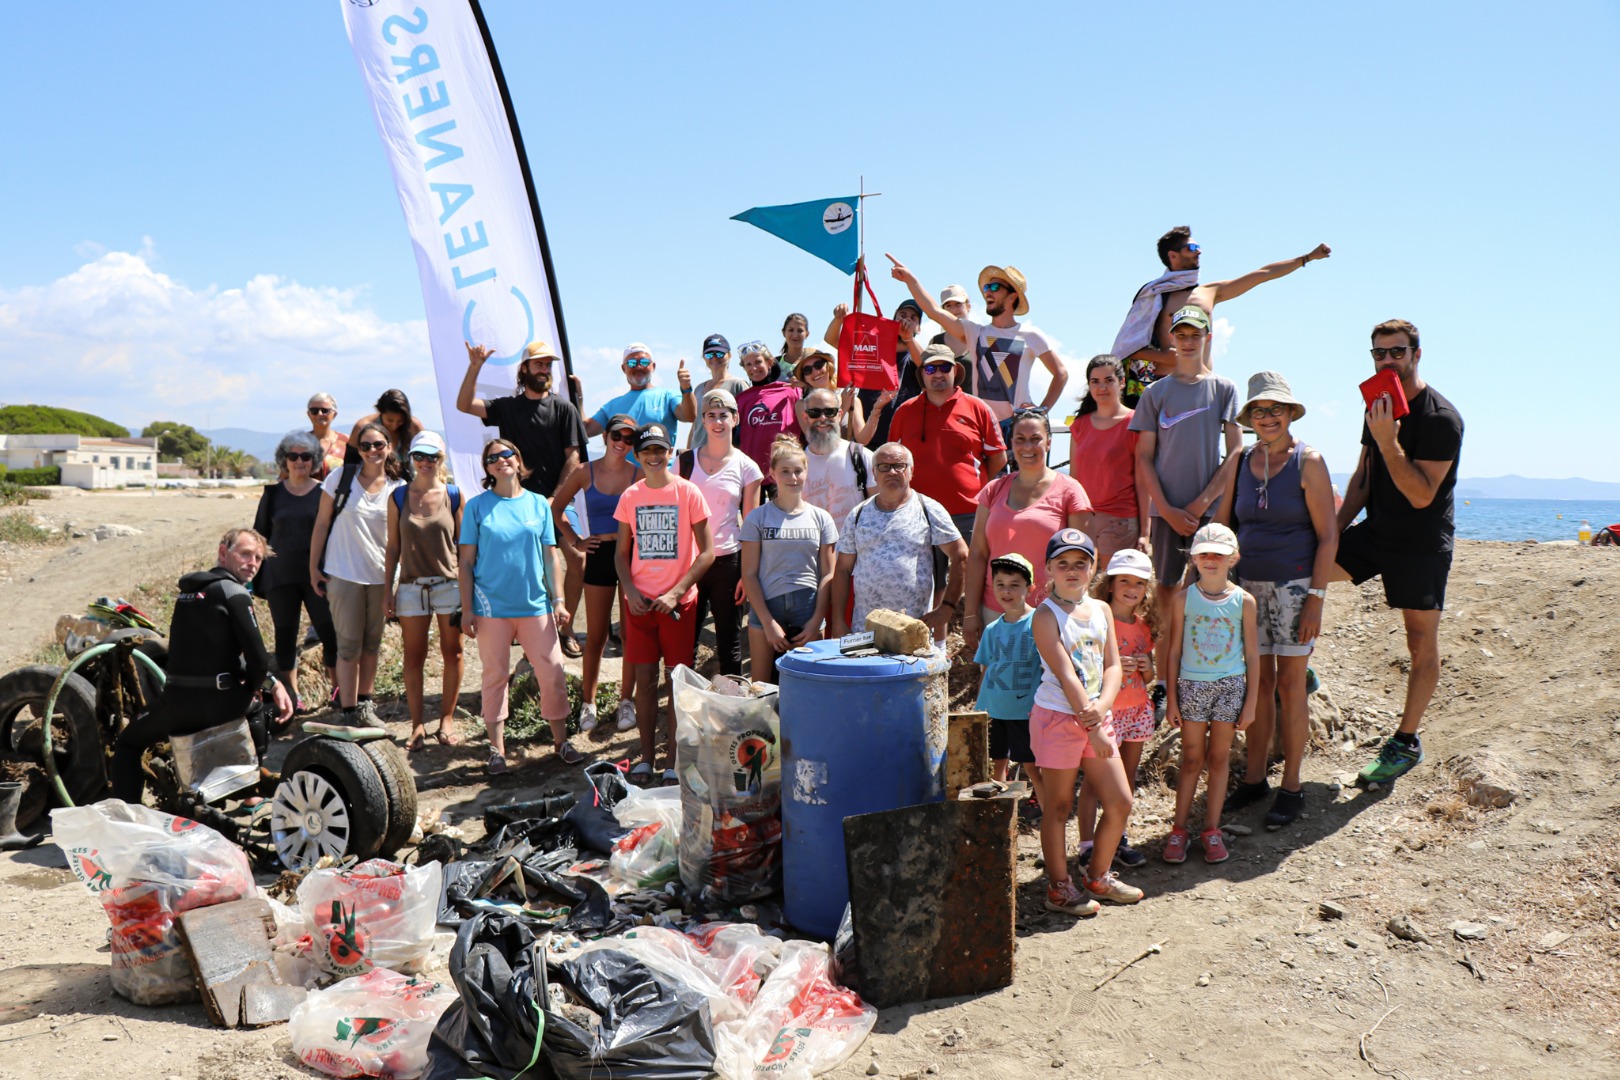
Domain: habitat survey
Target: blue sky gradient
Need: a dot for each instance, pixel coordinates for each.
(203, 220)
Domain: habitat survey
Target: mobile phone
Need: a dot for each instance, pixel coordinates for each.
(1386, 382)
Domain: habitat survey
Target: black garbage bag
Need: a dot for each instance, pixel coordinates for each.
(523, 837)
(595, 826)
(621, 1019)
(550, 804)
(458, 882)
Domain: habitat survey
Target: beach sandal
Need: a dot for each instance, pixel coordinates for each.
(418, 742)
(670, 779)
(641, 775)
(446, 735)
(568, 755)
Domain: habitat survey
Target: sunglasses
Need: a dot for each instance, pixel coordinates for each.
(638, 362)
(418, 456)
(714, 354)
(499, 455)
(1397, 353)
(316, 410)
(996, 286)
(934, 369)
(622, 436)
(814, 365)
(1274, 410)
(372, 447)
(818, 414)
(1193, 248)
(300, 457)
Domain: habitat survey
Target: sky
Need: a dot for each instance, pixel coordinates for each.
(203, 227)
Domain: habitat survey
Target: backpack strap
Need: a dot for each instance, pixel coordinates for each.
(345, 487)
(455, 499)
(858, 463)
(399, 498)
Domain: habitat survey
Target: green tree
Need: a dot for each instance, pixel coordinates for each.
(47, 420)
(176, 441)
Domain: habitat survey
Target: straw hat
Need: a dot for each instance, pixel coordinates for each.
(1012, 277)
(1269, 386)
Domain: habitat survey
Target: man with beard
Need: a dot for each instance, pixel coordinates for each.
(1404, 480)
(1002, 353)
(546, 429)
(643, 402)
(838, 474)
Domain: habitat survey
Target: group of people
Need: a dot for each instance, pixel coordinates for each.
(1169, 572)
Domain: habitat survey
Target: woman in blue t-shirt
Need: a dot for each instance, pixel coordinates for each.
(511, 579)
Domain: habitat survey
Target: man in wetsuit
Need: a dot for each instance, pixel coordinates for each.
(217, 661)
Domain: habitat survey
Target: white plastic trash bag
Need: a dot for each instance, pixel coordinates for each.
(380, 914)
(376, 1024)
(147, 867)
(725, 962)
(646, 856)
(730, 768)
(801, 1023)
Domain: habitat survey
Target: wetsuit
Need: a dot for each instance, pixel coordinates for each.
(217, 662)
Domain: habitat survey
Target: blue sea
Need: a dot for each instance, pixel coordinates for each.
(1531, 519)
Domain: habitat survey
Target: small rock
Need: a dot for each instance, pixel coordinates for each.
(1552, 1048)
(1553, 939)
(872, 1069)
(1222, 920)
(1475, 845)
(109, 1038)
(1203, 979)
(1057, 1063)
(1237, 830)
(108, 532)
(1404, 928)
(1468, 931)
(932, 1070)
(1352, 942)
(1485, 780)
(1329, 910)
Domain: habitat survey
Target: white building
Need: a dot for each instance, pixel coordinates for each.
(85, 462)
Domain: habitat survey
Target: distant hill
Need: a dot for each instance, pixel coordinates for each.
(48, 420)
(1524, 487)
(261, 444)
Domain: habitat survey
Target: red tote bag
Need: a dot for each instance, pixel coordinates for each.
(867, 345)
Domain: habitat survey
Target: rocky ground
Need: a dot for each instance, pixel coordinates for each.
(1515, 910)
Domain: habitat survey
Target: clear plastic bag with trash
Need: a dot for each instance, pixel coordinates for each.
(728, 750)
(377, 1024)
(646, 855)
(379, 914)
(147, 867)
(801, 1023)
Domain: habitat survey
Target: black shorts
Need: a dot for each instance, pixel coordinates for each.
(1413, 580)
(1009, 741)
(599, 568)
(1169, 551)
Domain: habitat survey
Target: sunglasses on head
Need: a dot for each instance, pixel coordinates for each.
(936, 368)
(318, 410)
(622, 436)
(996, 286)
(372, 447)
(819, 414)
(499, 455)
(638, 362)
(300, 457)
(418, 455)
(1397, 353)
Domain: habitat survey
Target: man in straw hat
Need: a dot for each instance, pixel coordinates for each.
(546, 429)
(1002, 352)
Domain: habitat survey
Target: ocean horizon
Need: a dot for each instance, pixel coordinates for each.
(1532, 519)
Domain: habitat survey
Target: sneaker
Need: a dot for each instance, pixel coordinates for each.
(1395, 760)
(1285, 808)
(1312, 683)
(1246, 794)
(1175, 846)
(1110, 888)
(1064, 897)
(497, 764)
(1125, 855)
(1214, 846)
(568, 755)
(587, 717)
(627, 716)
(365, 714)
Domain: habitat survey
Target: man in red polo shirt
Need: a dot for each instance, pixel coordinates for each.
(953, 437)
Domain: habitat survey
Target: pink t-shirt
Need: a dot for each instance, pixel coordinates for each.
(1134, 640)
(1026, 531)
(763, 413)
(1105, 464)
(660, 521)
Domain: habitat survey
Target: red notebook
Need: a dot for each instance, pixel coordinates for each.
(1386, 382)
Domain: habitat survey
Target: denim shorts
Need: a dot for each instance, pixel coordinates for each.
(792, 611)
(428, 596)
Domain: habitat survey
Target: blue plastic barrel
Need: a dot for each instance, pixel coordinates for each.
(859, 734)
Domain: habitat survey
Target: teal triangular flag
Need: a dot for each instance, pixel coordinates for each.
(826, 228)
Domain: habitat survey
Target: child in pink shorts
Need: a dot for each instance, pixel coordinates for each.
(1069, 726)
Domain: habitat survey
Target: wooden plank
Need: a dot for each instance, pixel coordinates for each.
(932, 899)
(229, 949)
(264, 1004)
(967, 753)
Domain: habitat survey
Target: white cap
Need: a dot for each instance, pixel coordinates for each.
(428, 441)
(636, 347)
(1129, 562)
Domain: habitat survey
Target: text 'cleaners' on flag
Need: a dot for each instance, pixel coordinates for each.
(826, 228)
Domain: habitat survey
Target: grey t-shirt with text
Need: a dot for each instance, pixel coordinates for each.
(789, 546)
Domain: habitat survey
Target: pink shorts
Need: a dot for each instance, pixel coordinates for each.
(1058, 739)
(1134, 723)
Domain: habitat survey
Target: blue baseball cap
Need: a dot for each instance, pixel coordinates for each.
(1070, 540)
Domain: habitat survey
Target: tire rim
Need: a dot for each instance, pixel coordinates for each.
(308, 819)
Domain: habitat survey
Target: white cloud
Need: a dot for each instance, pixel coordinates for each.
(1220, 339)
(122, 340)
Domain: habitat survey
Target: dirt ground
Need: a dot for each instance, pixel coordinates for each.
(1249, 980)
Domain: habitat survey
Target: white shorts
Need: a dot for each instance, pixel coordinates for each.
(428, 596)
